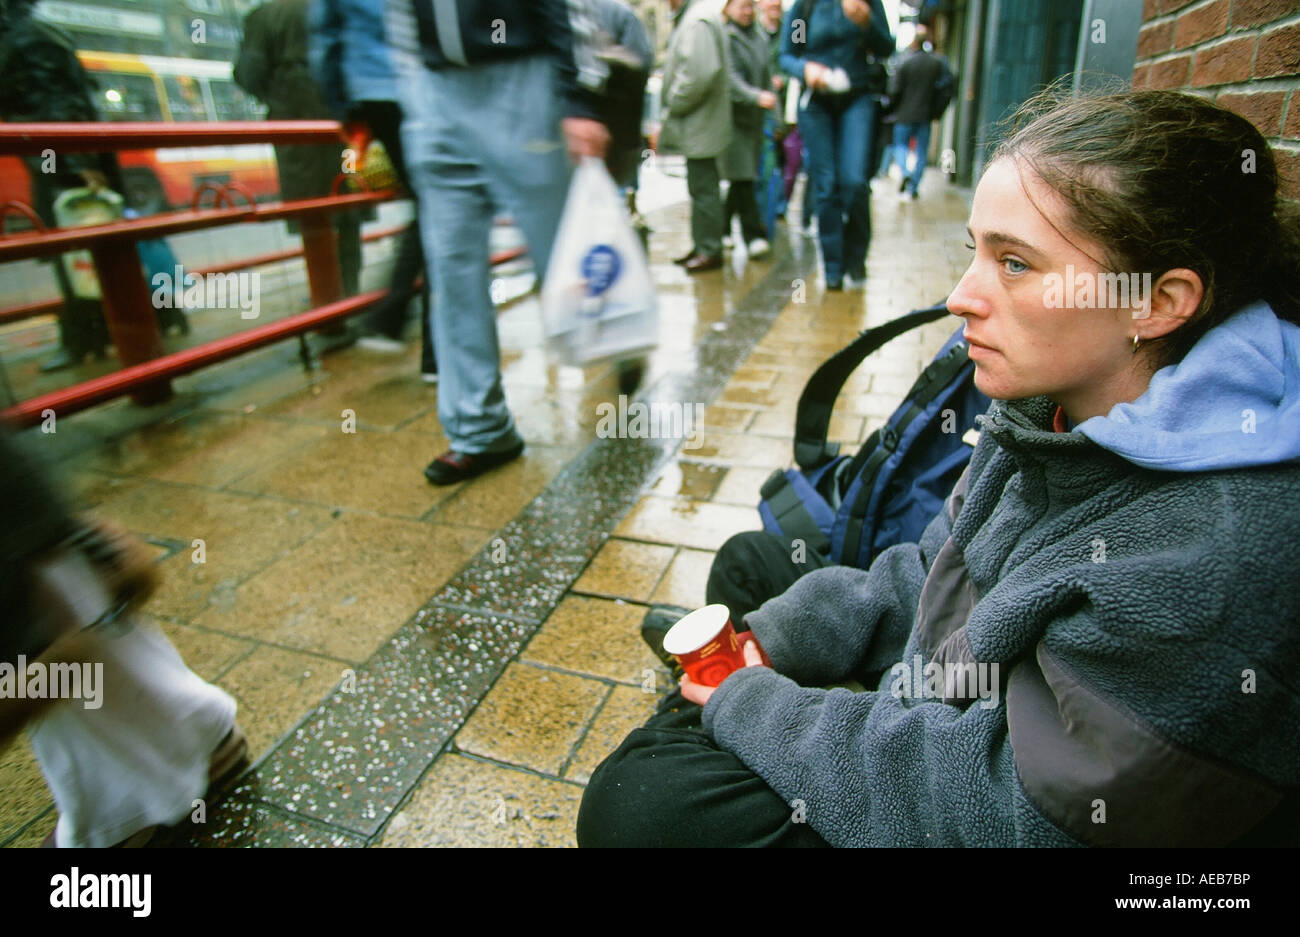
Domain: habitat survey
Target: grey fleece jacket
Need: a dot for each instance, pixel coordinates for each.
(1146, 628)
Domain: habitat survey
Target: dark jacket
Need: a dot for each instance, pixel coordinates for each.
(911, 90)
(1145, 624)
(273, 66)
(44, 82)
(747, 52)
(834, 40)
(500, 30)
(621, 54)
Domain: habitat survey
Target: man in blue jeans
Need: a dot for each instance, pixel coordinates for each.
(913, 87)
(491, 98)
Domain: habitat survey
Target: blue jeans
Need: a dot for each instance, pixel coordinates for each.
(901, 134)
(479, 140)
(837, 130)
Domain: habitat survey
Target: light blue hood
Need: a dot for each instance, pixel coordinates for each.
(1232, 402)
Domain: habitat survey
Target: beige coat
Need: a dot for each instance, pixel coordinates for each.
(696, 84)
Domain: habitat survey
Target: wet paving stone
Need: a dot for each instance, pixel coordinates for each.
(469, 803)
(240, 822)
(533, 718)
(350, 762)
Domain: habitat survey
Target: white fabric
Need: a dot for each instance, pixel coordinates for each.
(142, 758)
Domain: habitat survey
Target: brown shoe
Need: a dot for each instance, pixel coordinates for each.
(702, 262)
(452, 466)
(682, 260)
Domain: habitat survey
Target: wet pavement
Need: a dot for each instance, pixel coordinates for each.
(446, 666)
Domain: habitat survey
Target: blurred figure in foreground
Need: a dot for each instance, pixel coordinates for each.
(491, 100)
(126, 735)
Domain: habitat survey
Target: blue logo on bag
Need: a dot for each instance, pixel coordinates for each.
(600, 268)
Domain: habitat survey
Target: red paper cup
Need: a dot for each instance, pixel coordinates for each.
(707, 646)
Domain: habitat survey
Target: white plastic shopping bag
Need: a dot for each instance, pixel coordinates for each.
(597, 300)
(77, 208)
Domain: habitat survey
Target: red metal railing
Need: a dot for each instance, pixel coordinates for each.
(46, 307)
(132, 325)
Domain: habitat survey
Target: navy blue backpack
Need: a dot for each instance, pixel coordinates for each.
(849, 508)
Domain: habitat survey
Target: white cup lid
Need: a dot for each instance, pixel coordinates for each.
(696, 629)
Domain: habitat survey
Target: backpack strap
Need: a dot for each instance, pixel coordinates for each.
(883, 443)
(813, 418)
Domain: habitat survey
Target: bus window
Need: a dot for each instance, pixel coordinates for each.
(184, 97)
(232, 103)
(126, 97)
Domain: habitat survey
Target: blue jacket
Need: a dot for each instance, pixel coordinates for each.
(348, 53)
(831, 38)
(1136, 582)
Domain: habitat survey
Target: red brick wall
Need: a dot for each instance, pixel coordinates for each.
(1242, 54)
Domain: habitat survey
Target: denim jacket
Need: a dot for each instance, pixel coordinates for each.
(348, 52)
(818, 31)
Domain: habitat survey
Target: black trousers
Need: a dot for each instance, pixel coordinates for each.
(742, 201)
(389, 317)
(668, 784)
(82, 328)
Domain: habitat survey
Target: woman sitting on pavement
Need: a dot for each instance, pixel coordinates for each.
(1117, 569)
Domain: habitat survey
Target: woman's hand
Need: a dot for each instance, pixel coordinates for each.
(814, 75)
(700, 694)
(766, 100)
(858, 11)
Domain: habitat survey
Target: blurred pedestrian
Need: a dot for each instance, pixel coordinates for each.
(126, 735)
(772, 196)
(620, 49)
(838, 62)
(273, 67)
(751, 97)
(44, 82)
(352, 65)
(697, 119)
(913, 91)
(491, 100)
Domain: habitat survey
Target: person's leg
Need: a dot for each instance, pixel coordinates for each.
(853, 145)
(751, 226)
(668, 784)
(143, 756)
(729, 208)
(820, 122)
(347, 228)
(901, 133)
(703, 184)
(755, 566)
(455, 214)
(389, 317)
(526, 164)
(922, 153)
(792, 150)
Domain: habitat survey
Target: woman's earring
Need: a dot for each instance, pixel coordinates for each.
(1136, 339)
